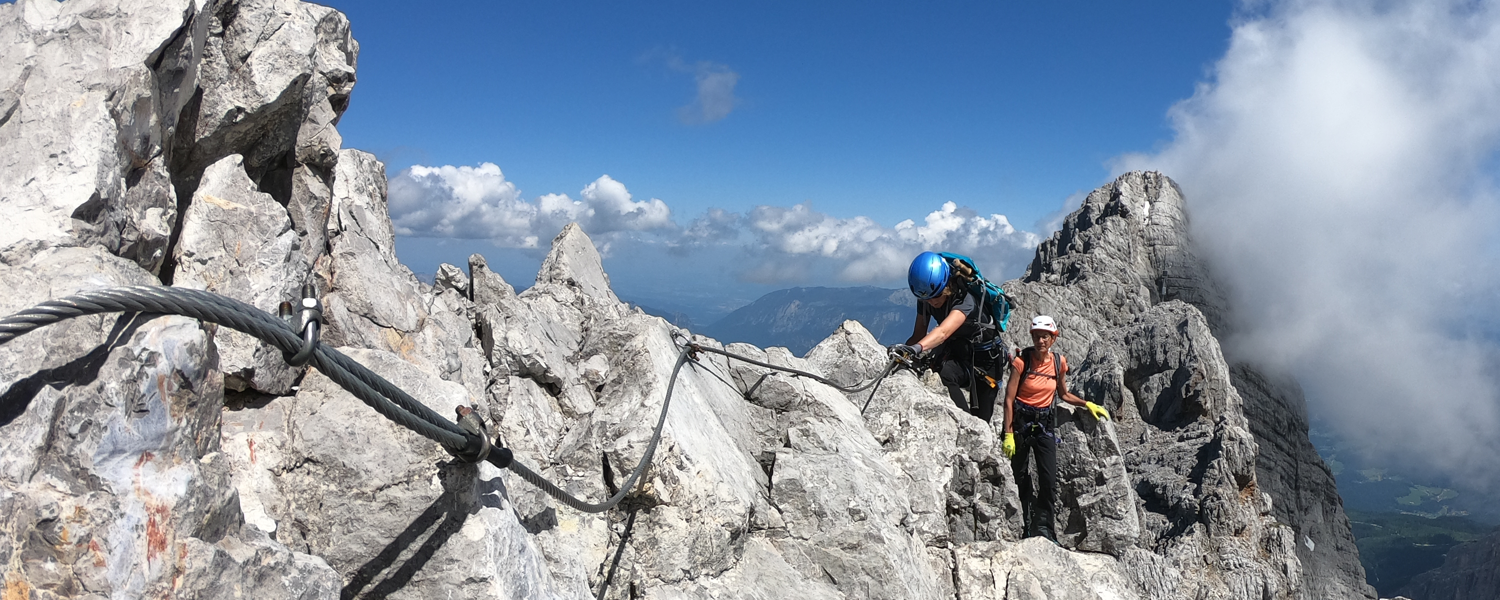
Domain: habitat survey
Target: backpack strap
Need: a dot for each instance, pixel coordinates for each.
(1026, 355)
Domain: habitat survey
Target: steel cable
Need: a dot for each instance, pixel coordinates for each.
(364, 384)
(797, 372)
(569, 499)
(374, 390)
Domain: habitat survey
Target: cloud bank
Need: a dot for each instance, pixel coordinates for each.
(773, 244)
(1340, 168)
(478, 203)
(792, 240)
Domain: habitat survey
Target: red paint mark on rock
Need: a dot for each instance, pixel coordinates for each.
(146, 457)
(158, 528)
(98, 553)
(251, 443)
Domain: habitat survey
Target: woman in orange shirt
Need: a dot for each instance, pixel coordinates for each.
(1038, 375)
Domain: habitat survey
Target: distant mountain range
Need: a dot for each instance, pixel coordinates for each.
(798, 318)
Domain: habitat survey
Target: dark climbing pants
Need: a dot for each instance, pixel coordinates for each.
(959, 376)
(1036, 505)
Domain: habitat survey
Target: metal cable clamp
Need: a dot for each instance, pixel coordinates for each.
(309, 322)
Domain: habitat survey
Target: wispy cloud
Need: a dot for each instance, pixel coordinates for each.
(1339, 169)
(715, 97)
(714, 85)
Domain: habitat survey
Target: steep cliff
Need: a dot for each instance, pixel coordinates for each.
(1471, 571)
(145, 456)
(1119, 257)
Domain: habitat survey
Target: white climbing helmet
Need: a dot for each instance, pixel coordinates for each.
(1044, 323)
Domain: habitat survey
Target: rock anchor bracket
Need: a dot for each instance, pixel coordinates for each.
(309, 323)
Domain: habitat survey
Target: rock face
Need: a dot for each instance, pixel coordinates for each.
(1470, 571)
(1133, 299)
(194, 144)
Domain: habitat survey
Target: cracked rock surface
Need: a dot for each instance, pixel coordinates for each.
(195, 143)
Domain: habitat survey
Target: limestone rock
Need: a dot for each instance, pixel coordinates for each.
(575, 262)
(453, 278)
(81, 118)
(112, 482)
(119, 448)
(275, 75)
(1117, 264)
(238, 242)
(1035, 570)
(384, 506)
(373, 301)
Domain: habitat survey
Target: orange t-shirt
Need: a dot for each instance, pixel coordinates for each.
(1039, 387)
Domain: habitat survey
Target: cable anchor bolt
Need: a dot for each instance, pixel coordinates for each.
(309, 321)
(471, 422)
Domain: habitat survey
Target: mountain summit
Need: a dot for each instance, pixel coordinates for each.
(173, 141)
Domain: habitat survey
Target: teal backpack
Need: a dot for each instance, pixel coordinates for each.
(991, 297)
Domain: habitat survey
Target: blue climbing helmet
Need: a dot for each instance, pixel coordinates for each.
(928, 275)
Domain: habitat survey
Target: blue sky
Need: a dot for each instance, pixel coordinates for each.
(1339, 158)
(875, 109)
(880, 110)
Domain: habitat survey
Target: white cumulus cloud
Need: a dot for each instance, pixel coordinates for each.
(461, 202)
(864, 251)
(479, 203)
(1339, 168)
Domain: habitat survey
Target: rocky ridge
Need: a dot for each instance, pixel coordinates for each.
(1470, 571)
(173, 141)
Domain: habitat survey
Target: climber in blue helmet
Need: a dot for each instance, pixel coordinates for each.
(964, 346)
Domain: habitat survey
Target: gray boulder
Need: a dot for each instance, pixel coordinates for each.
(274, 77)
(112, 483)
(238, 242)
(389, 510)
(81, 118)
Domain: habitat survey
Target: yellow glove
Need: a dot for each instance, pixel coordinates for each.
(1009, 445)
(1098, 411)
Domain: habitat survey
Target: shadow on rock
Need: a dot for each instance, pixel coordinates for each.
(443, 518)
(80, 371)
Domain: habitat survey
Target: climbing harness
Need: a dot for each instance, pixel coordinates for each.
(1037, 422)
(1037, 419)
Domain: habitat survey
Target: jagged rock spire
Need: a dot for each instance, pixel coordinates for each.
(573, 261)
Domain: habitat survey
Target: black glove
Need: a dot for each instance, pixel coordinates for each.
(905, 351)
